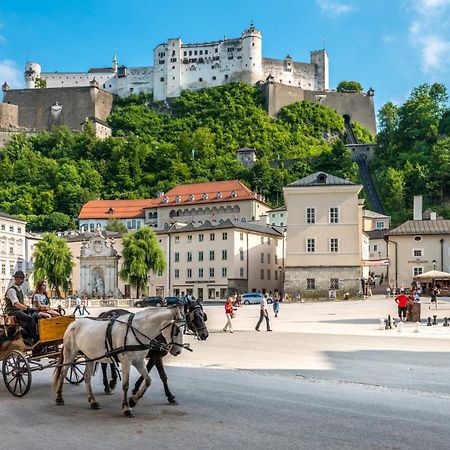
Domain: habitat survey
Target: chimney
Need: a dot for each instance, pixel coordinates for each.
(433, 215)
(417, 207)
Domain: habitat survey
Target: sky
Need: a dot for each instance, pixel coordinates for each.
(389, 45)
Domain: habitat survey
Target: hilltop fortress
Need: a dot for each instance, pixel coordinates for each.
(72, 98)
(179, 66)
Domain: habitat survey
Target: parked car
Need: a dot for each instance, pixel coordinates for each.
(174, 300)
(150, 301)
(253, 298)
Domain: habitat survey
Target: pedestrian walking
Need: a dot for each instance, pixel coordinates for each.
(434, 293)
(402, 302)
(229, 313)
(84, 309)
(276, 304)
(77, 305)
(263, 313)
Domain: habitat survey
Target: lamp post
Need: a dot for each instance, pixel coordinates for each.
(281, 280)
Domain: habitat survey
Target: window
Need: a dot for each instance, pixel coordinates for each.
(11, 228)
(200, 256)
(11, 249)
(189, 238)
(211, 272)
(177, 257)
(241, 236)
(11, 269)
(3, 227)
(310, 245)
(262, 274)
(276, 275)
(417, 271)
(379, 225)
(310, 215)
(262, 239)
(224, 255)
(334, 283)
(334, 215)
(19, 230)
(375, 248)
(200, 273)
(310, 283)
(201, 237)
(334, 245)
(418, 252)
(211, 255)
(224, 236)
(211, 294)
(223, 292)
(189, 273)
(160, 274)
(177, 239)
(189, 256)
(241, 254)
(162, 78)
(269, 241)
(268, 258)
(241, 272)
(177, 273)
(3, 269)
(262, 257)
(276, 259)
(224, 272)
(268, 274)
(212, 236)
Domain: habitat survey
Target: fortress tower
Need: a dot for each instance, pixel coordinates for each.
(32, 72)
(320, 59)
(251, 55)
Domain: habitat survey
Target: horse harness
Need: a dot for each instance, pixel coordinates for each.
(190, 320)
(153, 344)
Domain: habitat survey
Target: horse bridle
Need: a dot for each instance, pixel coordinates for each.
(177, 326)
(192, 310)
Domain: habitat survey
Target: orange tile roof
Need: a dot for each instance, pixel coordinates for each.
(121, 209)
(230, 190)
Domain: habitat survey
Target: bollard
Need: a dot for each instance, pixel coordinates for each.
(389, 322)
(394, 322)
(435, 320)
(416, 329)
(386, 324)
(445, 324)
(429, 322)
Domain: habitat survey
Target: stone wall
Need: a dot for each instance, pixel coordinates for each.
(359, 107)
(42, 109)
(9, 115)
(295, 281)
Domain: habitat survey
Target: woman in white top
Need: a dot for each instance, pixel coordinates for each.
(41, 301)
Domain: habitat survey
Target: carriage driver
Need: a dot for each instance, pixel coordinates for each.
(14, 306)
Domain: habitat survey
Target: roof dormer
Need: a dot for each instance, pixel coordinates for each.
(219, 195)
(191, 197)
(165, 199)
(205, 196)
(234, 194)
(178, 198)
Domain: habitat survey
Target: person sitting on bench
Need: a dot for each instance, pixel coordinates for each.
(15, 306)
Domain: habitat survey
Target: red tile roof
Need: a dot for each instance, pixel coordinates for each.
(121, 209)
(212, 192)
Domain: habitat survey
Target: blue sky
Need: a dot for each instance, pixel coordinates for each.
(391, 45)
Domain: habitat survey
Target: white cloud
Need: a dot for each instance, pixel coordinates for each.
(433, 46)
(10, 73)
(435, 53)
(334, 7)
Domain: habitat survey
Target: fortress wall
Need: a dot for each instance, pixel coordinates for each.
(9, 115)
(296, 74)
(359, 107)
(77, 103)
(102, 102)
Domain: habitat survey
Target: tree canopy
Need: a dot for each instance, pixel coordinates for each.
(349, 86)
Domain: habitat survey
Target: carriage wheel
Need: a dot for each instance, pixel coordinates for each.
(16, 373)
(74, 374)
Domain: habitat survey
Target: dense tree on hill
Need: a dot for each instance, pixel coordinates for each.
(413, 154)
(153, 149)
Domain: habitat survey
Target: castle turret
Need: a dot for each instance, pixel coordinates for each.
(114, 61)
(320, 59)
(32, 72)
(251, 55)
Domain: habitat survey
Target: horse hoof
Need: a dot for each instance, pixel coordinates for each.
(172, 401)
(95, 405)
(131, 402)
(129, 414)
(112, 385)
(59, 401)
(108, 391)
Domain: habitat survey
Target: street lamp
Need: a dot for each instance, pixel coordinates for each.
(434, 264)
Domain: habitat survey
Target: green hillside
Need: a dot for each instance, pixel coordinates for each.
(48, 177)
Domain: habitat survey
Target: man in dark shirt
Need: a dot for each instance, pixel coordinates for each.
(15, 306)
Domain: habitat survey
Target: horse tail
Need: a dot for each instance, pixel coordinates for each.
(57, 371)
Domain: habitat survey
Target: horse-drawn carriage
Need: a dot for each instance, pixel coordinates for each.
(20, 360)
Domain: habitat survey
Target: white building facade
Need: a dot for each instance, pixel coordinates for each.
(179, 66)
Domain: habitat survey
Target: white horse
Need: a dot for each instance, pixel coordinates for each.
(89, 337)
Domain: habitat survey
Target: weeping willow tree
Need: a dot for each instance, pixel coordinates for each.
(141, 254)
(53, 262)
